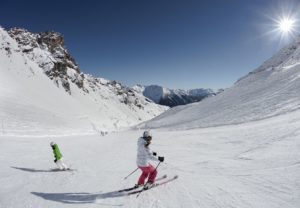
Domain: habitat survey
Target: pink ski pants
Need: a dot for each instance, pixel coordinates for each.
(148, 171)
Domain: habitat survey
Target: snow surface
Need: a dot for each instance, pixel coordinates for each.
(251, 165)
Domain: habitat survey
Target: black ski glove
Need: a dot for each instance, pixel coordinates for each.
(154, 153)
(161, 159)
(147, 144)
(55, 160)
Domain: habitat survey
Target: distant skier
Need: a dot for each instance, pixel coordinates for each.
(58, 157)
(144, 155)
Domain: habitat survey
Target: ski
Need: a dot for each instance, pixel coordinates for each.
(134, 187)
(59, 170)
(160, 178)
(129, 189)
(138, 192)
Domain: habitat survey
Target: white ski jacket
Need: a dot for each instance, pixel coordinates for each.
(144, 154)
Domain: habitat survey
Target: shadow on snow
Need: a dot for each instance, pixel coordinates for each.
(36, 170)
(79, 198)
(32, 170)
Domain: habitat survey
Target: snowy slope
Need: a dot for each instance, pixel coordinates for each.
(33, 104)
(170, 97)
(270, 90)
(251, 165)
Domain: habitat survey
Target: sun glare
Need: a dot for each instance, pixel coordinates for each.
(286, 25)
(283, 23)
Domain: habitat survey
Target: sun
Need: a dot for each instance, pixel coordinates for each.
(286, 25)
(282, 23)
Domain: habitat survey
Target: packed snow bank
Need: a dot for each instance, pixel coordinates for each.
(250, 165)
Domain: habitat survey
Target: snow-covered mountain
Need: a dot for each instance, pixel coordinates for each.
(172, 97)
(270, 90)
(43, 90)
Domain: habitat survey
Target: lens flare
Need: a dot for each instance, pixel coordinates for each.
(286, 25)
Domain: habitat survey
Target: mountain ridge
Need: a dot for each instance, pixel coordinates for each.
(173, 97)
(39, 71)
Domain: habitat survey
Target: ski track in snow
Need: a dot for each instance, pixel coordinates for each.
(250, 165)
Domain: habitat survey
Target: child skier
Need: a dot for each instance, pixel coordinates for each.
(58, 157)
(144, 155)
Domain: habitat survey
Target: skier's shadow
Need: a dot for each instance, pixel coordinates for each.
(79, 198)
(35, 170)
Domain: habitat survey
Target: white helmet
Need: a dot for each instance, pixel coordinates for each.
(147, 134)
(52, 144)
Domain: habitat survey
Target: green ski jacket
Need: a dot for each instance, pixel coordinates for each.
(56, 152)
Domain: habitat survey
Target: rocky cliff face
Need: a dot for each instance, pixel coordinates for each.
(48, 50)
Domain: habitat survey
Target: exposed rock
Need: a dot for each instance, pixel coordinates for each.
(47, 49)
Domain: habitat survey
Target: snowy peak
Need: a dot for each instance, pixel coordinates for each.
(202, 92)
(155, 92)
(42, 91)
(48, 51)
(173, 97)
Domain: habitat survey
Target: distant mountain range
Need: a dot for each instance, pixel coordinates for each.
(172, 97)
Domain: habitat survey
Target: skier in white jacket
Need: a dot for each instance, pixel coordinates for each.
(144, 155)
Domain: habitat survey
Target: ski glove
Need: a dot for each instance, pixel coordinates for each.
(161, 159)
(154, 153)
(55, 160)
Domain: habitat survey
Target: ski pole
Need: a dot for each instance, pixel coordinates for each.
(131, 173)
(156, 167)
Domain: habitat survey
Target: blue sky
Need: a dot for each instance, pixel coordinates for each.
(175, 43)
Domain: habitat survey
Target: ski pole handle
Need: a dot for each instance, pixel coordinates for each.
(131, 173)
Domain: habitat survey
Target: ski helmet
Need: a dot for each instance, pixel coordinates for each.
(52, 144)
(147, 136)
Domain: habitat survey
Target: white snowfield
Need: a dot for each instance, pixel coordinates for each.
(251, 165)
(239, 149)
